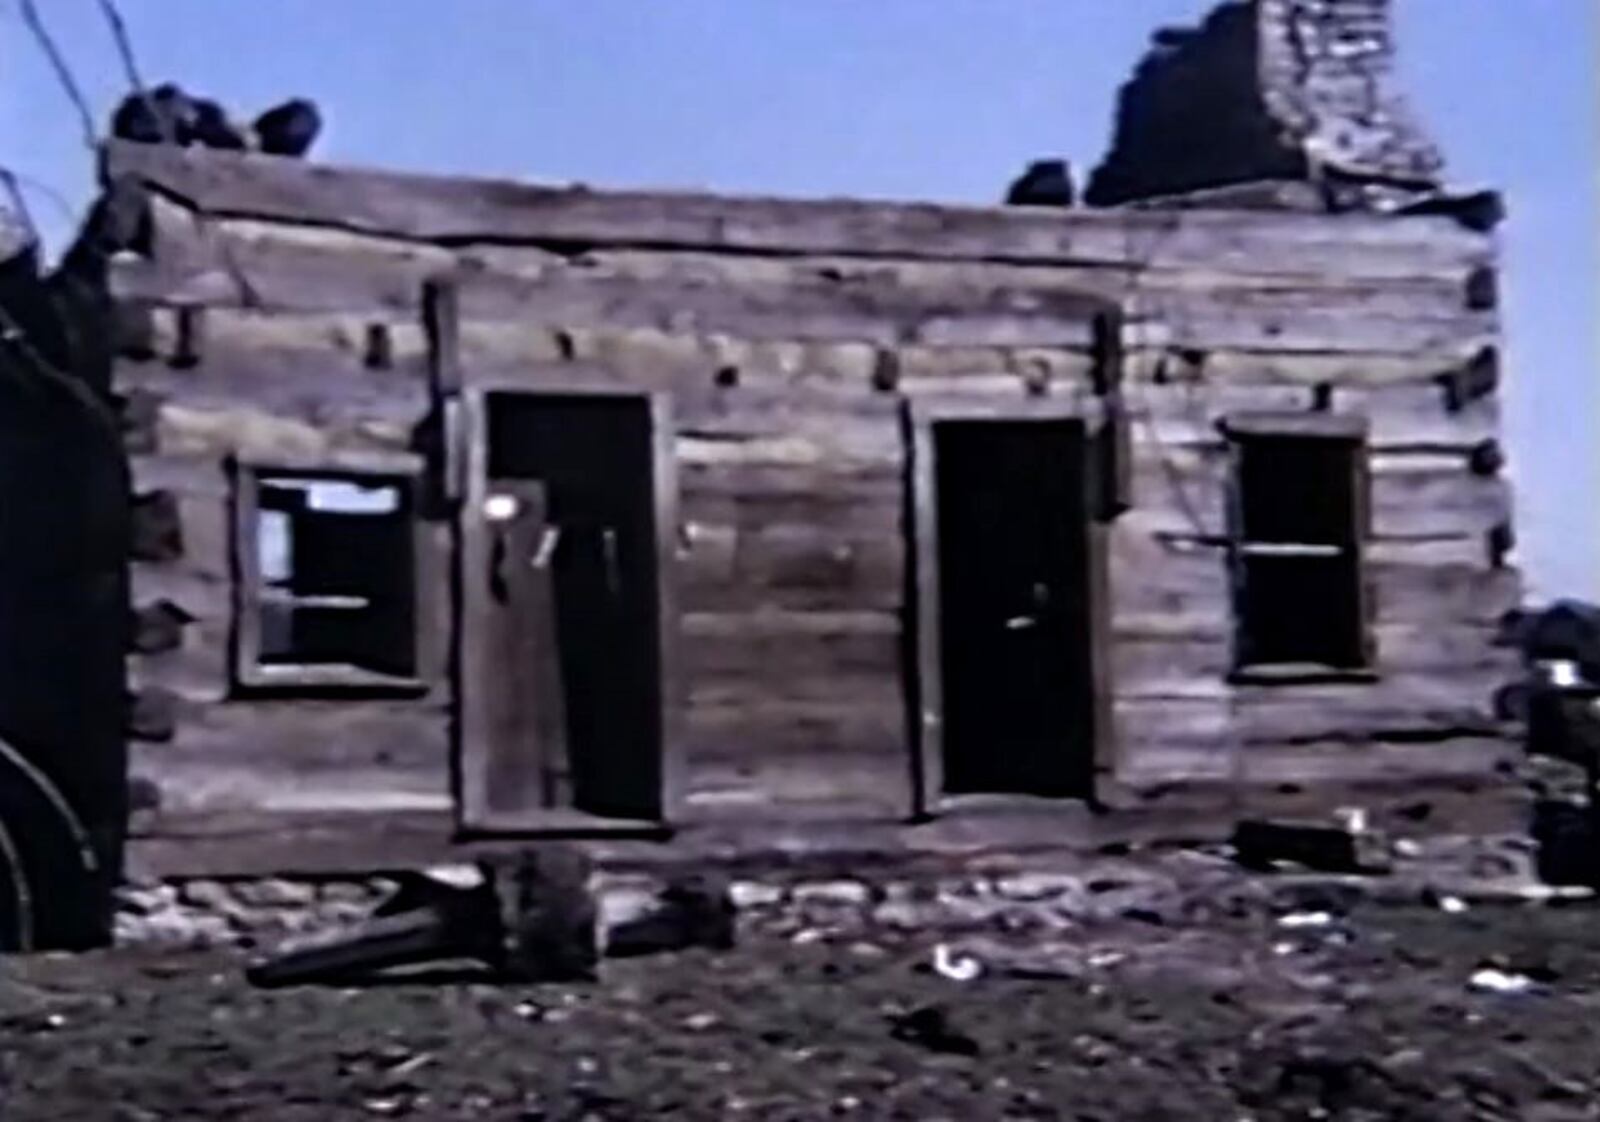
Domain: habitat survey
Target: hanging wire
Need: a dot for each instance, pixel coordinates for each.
(19, 204)
(15, 180)
(47, 43)
(119, 32)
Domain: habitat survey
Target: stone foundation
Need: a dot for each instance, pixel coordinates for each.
(206, 913)
(261, 913)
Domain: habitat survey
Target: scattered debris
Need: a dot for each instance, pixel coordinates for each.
(690, 911)
(168, 114)
(288, 129)
(1446, 902)
(1044, 183)
(929, 1027)
(1564, 832)
(530, 918)
(1346, 848)
(1493, 980)
(1305, 919)
(957, 968)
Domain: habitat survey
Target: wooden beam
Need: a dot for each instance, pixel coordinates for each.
(309, 268)
(1333, 426)
(458, 211)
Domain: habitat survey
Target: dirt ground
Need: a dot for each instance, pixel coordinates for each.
(1204, 1006)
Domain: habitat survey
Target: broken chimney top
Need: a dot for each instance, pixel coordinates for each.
(1262, 90)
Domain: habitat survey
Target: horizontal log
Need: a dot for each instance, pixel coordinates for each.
(799, 750)
(1412, 417)
(1403, 417)
(1447, 758)
(1179, 587)
(1423, 594)
(1398, 707)
(850, 499)
(1465, 552)
(866, 310)
(788, 566)
(1439, 294)
(287, 265)
(841, 786)
(1196, 664)
(314, 366)
(1414, 496)
(459, 210)
(268, 753)
(189, 788)
(1160, 363)
(1320, 331)
(732, 657)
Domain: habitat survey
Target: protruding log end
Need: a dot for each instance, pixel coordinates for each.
(157, 527)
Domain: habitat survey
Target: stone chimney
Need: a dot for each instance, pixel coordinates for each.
(1299, 90)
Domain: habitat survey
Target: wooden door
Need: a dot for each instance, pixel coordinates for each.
(512, 720)
(567, 707)
(1010, 619)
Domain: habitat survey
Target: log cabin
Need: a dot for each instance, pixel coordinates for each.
(689, 526)
(682, 523)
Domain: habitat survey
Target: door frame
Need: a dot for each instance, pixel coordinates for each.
(468, 433)
(924, 666)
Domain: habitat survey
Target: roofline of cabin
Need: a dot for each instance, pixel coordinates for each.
(458, 210)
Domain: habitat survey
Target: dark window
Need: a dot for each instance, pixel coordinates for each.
(1297, 528)
(327, 579)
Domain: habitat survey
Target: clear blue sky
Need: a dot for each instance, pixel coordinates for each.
(935, 99)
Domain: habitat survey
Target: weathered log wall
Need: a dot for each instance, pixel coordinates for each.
(789, 333)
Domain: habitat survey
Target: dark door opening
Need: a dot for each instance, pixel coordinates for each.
(1014, 626)
(566, 673)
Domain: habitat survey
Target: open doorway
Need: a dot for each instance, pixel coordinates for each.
(1007, 612)
(565, 715)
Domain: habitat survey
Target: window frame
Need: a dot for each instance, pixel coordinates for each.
(248, 673)
(1347, 429)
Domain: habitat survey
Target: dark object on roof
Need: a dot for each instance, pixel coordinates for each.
(211, 128)
(164, 115)
(288, 129)
(1045, 183)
